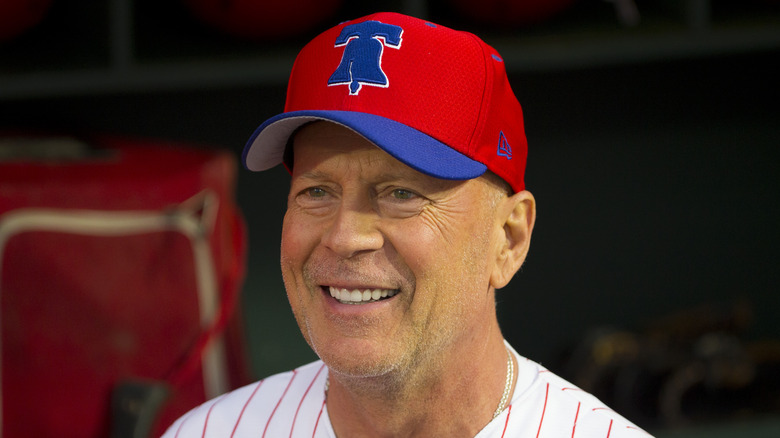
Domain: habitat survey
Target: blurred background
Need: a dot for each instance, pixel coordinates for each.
(653, 131)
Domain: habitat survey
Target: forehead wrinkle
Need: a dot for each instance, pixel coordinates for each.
(391, 169)
(328, 166)
(370, 161)
(351, 153)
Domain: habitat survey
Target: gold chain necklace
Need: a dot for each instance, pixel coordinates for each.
(510, 371)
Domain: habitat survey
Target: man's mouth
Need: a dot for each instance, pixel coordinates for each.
(360, 296)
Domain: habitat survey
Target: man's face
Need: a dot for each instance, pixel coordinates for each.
(407, 256)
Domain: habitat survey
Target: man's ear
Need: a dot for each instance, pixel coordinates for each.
(518, 214)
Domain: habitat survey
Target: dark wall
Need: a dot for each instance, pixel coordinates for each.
(655, 184)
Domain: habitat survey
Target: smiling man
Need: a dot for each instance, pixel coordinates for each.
(407, 211)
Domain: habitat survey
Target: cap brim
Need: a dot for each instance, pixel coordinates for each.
(265, 149)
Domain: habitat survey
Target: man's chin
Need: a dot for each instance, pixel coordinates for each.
(358, 365)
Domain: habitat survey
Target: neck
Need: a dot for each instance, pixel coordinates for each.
(456, 396)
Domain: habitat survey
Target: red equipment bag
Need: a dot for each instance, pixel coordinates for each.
(120, 270)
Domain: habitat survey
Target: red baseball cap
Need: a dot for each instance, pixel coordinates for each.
(434, 98)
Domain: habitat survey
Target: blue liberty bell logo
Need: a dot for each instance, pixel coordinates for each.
(361, 63)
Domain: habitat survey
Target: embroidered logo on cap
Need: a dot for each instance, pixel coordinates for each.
(361, 63)
(504, 150)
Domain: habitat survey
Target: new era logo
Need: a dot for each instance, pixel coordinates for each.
(504, 150)
(361, 63)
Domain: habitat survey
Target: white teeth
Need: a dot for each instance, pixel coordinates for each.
(356, 296)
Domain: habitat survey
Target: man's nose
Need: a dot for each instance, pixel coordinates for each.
(353, 231)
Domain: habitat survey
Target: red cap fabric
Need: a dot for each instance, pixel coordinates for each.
(436, 99)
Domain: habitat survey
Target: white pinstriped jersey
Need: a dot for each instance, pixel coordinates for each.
(292, 404)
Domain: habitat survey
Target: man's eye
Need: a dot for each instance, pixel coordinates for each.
(403, 194)
(316, 192)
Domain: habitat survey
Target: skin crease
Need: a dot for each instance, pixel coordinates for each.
(429, 361)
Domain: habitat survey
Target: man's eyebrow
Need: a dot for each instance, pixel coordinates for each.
(384, 176)
(313, 175)
(392, 176)
(417, 181)
(396, 176)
